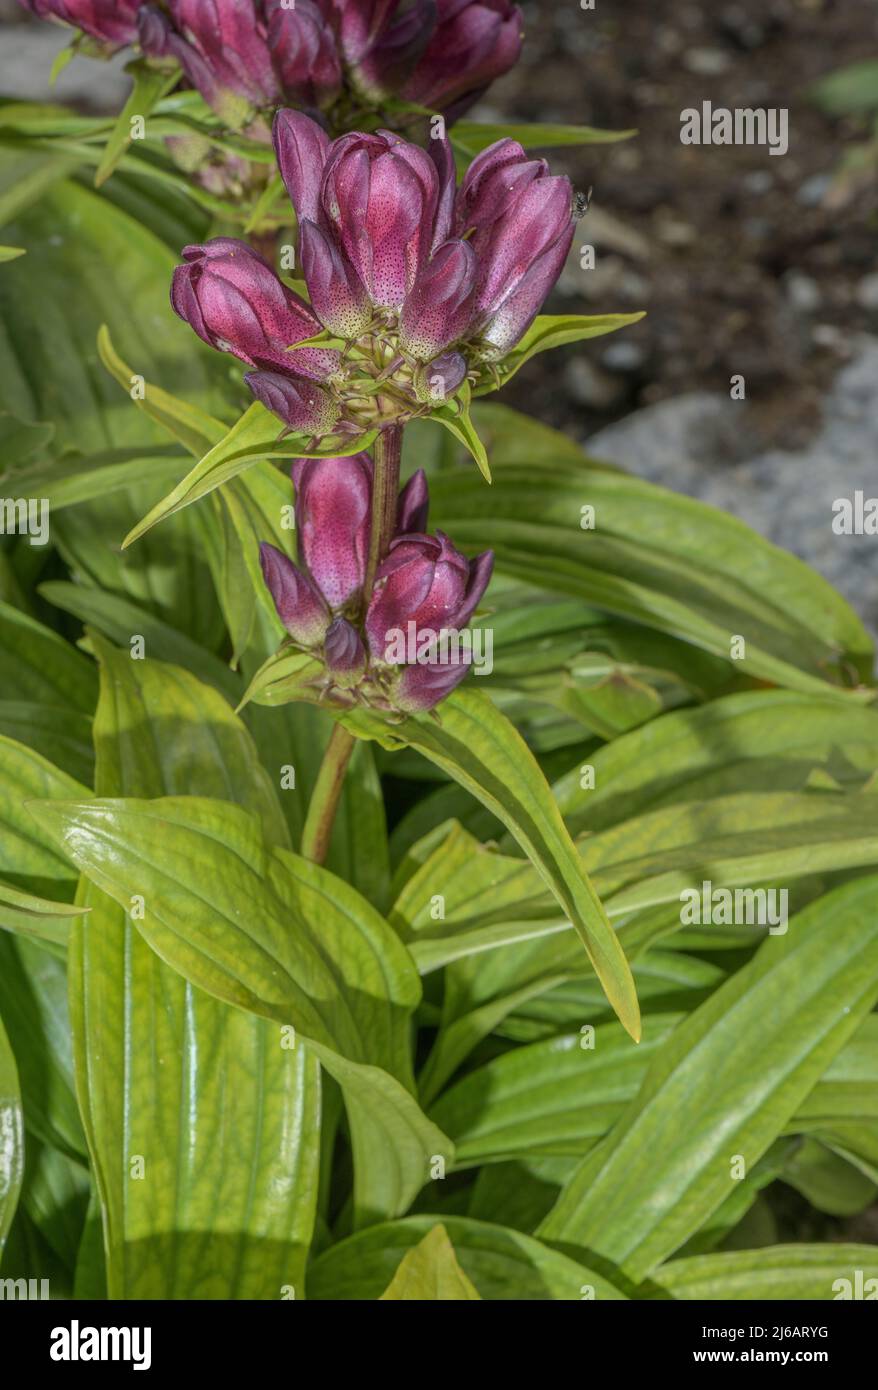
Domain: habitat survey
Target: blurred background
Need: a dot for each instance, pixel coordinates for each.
(746, 263)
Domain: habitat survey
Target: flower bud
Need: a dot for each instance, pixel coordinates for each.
(302, 405)
(383, 67)
(474, 43)
(109, 21)
(380, 195)
(421, 687)
(435, 381)
(333, 513)
(300, 606)
(439, 309)
(423, 580)
(301, 147)
(519, 218)
(303, 51)
(235, 302)
(344, 653)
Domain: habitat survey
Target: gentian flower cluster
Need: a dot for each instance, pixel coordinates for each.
(423, 587)
(415, 286)
(344, 58)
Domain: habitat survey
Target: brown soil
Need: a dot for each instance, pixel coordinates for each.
(746, 263)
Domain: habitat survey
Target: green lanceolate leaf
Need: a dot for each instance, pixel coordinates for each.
(768, 740)
(150, 85)
(279, 937)
(36, 664)
(255, 437)
(799, 1272)
(662, 561)
(553, 1098)
(500, 1263)
(457, 419)
(29, 858)
(429, 1272)
(477, 746)
(782, 1019)
(28, 915)
(33, 1006)
(12, 1130)
(11, 253)
(192, 427)
(202, 1121)
(555, 330)
(474, 136)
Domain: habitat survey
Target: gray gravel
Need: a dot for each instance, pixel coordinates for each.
(697, 444)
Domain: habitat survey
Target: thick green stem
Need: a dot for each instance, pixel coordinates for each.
(325, 797)
(385, 493)
(326, 794)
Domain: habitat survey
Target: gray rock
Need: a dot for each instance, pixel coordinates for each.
(697, 444)
(867, 292)
(27, 53)
(802, 292)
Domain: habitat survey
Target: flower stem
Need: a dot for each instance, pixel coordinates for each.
(385, 492)
(325, 797)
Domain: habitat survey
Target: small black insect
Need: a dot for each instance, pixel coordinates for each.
(581, 204)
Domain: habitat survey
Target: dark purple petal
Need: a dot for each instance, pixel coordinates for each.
(234, 301)
(439, 309)
(383, 67)
(333, 512)
(301, 147)
(480, 571)
(414, 505)
(303, 49)
(515, 315)
(475, 42)
(299, 604)
(109, 21)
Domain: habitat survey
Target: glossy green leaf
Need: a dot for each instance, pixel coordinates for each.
(474, 744)
(29, 858)
(255, 437)
(222, 1112)
(455, 416)
(501, 1263)
(555, 330)
(827, 1180)
(732, 1075)
(768, 740)
(475, 136)
(33, 1005)
(36, 664)
(27, 915)
(150, 84)
(660, 560)
(278, 937)
(553, 1098)
(796, 1272)
(118, 619)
